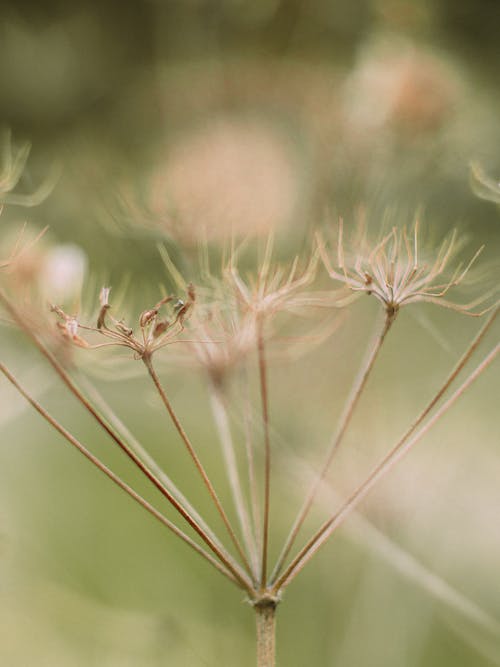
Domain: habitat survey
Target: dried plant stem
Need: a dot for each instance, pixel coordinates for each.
(219, 410)
(265, 614)
(361, 531)
(267, 449)
(220, 553)
(394, 455)
(198, 464)
(249, 450)
(136, 446)
(352, 401)
(116, 479)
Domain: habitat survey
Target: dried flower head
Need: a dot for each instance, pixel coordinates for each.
(20, 257)
(238, 307)
(12, 164)
(274, 288)
(35, 269)
(224, 338)
(483, 185)
(155, 329)
(398, 272)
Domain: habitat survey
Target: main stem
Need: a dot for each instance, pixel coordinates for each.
(265, 616)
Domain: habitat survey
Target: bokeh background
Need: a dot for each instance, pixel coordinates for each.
(174, 121)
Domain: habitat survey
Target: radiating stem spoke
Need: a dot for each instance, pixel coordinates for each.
(405, 443)
(352, 401)
(57, 366)
(117, 480)
(144, 455)
(267, 450)
(199, 466)
(219, 410)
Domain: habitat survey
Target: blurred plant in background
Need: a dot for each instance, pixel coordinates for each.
(192, 122)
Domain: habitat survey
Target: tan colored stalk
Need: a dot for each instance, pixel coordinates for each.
(352, 401)
(221, 419)
(267, 451)
(265, 616)
(198, 464)
(223, 556)
(394, 455)
(249, 450)
(134, 444)
(117, 480)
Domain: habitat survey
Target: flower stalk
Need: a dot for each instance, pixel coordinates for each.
(265, 616)
(116, 479)
(352, 402)
(196, 460)
(267, 451)
(401, 448)
(221, 419)
(224, 557)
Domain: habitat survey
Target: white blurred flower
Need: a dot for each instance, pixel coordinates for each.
(62, 272)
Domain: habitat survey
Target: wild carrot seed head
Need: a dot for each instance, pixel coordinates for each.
(12, 163)
(398, 271)
(155, 330)
(273, 287)
(239, 306)
(223, 338)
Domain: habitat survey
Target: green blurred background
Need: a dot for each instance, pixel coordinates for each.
(171, 120)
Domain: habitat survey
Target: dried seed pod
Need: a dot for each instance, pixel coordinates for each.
(104, 301)
(160, 328)
(147, 316)
(123, 328)
(163, 301)
(80, 342)
(101, 318)
(58, 311)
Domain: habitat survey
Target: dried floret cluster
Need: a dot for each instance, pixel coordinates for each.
(398, 272)
(154, 330)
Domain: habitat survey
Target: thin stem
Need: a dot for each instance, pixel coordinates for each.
(220, 553)
(265, 616)
(219, 410)
(249, 449)
(352, 401)
(116, 479)
(134, 444)
(267, 449)
(198, 464)
(394, 455)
